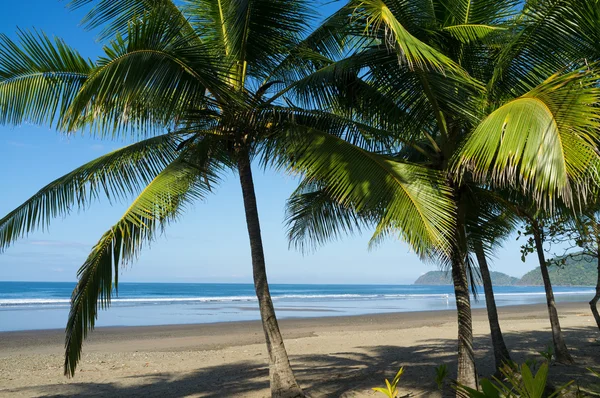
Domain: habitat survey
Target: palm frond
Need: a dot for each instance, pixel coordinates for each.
(208, 17)
(261, 32)
(115, 175)
(114, 16)
(162, 201)
(351, 129)
(335, 38)
(486, 12)
(490, 219)
(548, 36)
(38, 78)
(412, 201)
(147, 80)
(383, 21)
(386, 96)
(313, 218)
(468, 33)
(543, 142)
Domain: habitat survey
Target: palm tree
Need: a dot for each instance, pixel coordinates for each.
(536, 229)
(313, 219)
(201, 73)
(474, 91)
(489, 223)
(501, 353)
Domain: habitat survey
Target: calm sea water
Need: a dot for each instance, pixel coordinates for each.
(45, 305)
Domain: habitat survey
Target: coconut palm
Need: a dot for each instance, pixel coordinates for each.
(190, 87)
(489, 223)
(475, 91)
(536, 229)
(501, 353)
(313, 220)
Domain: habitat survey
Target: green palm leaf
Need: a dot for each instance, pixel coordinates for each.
(263, 31)
(411, 200)
(38, 79)
(548, 36)
(313, 218)
(543, 141)
(114, 16)
(486, 12)
(411, 51)
(208, 17)
(116, 175)
(468, 33)
(163, 200)
(147, 80)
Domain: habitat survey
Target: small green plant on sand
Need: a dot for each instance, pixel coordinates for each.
(532, 364)
(548, 353)
(391, 388)
(594, 389)
(441, 372)
(517, 383)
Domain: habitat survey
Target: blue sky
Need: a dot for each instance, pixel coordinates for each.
(209, 244)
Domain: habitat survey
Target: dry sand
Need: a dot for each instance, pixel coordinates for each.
(332, 357)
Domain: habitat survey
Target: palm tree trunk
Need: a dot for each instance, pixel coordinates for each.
(594, 302)
(560, 348)
(501, 354)
(467, 373)
(283, 382)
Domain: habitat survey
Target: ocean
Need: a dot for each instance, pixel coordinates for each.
(45, 305)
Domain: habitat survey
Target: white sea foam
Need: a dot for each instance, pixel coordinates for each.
(158, 300)
(543, 293)
(232, 299)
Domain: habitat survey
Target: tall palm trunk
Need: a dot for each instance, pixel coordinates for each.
(560, 348)
(501, 354)
(467, 372)
(594, 302)
(283, 382)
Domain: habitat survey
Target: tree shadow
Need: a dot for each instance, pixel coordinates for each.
(347, 374)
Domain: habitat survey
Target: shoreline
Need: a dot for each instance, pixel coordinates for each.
(250, 332)
(303, 319)
(331, 356)
(293, 321)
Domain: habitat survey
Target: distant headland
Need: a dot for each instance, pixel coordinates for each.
(575, 272)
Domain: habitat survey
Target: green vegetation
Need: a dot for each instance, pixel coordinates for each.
(518, 382)
(391, 388)
(564, 271)
(441, 372)
(444, 278)
(576, 271)
(514, 382)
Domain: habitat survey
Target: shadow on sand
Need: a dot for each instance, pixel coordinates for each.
(348, 374)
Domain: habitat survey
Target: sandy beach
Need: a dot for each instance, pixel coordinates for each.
(332, 356)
